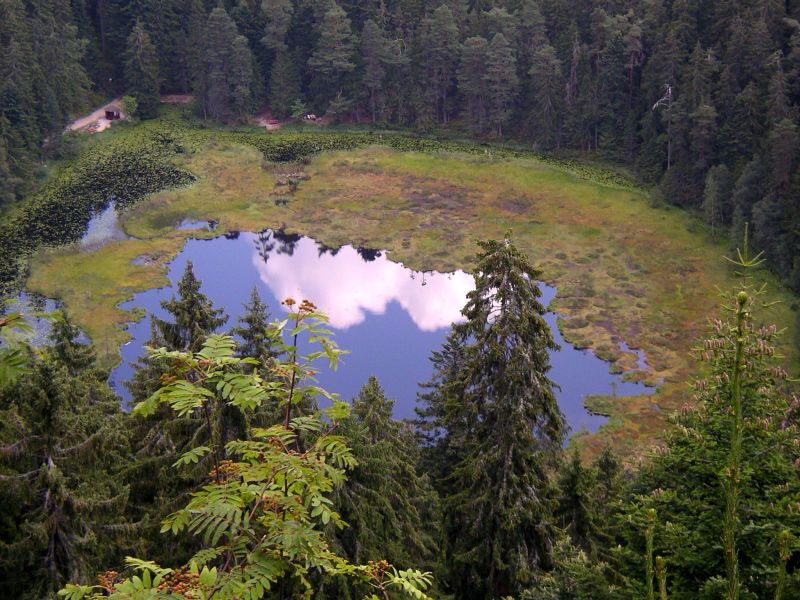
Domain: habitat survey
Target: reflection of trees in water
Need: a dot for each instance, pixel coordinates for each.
(271, 240)
(369, 254)
(323, 249)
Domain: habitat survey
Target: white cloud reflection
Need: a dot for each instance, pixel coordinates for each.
(347, 288)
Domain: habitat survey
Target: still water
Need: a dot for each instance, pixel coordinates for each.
(389, 317)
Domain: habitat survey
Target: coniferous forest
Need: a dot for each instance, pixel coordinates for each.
(231, 474)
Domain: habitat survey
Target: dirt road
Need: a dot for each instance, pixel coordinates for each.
(98, 116)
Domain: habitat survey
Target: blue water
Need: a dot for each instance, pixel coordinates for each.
(390, 318)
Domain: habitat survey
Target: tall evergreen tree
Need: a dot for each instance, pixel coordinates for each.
(62, 442)
(375, 54)
(500, 511)
(438, 51)
(252, 331)
(141, 71)
(546, 80)
(284, 87)
(472, 83)
(332, 60)
(194, 316)
(392, 510)
(501, 81)
(229, 89)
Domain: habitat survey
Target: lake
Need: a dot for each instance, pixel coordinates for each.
(389, 317)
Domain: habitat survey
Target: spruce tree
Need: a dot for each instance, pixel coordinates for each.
(472, 82)
(501, 81)
(375, 55)
(229, 89)
(193, 315)
(192, 318)
(284, 87)
(252, 331)
(438, 50)
(577, 511)
(141, 71)
(62, 444)
(546, 80)
(242, 79)
(332, 59)
(500, 509)
(392, 510)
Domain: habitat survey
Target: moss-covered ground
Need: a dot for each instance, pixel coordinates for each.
(625, 271)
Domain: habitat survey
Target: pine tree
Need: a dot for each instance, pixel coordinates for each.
(141, 71)
(252, 330)
(577, 512)
(229, 88)
(500, 511)
(332, 59)
(242, 79)
(472, 82)
(284, 87)
(438, 51)
(193, 318)
(375, 55)
(279, 16)
(717, 200)
(501, 81)
(62, 442)
(193, 313)
(392, 511)
(546, 80)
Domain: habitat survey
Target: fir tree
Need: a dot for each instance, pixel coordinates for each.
(284, 88)
(577, 512)
(546, 81)
(375, 54)
(194, 316)
(472, 82)
(141, 71)
(501, 81)
(438, 51)
(500, 511)
(62, 441)
(332, 59)
(252, 331)
(391, 509)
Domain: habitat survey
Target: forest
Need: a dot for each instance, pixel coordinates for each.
(698, 99)
(233, 473)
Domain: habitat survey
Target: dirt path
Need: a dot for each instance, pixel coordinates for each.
(97, 116)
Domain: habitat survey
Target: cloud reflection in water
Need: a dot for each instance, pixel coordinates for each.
(347, 287)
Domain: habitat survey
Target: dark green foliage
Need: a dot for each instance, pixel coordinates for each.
(502, 427)
(141, 72)
(393, 511)
(472, 80)
(332, 59)
(62, 442)
(254, 341)
(741, 424)
(501, 81)
(674, 91)
(227, 84)
(577, 510)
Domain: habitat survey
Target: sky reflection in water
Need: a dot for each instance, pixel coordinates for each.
(388, 317)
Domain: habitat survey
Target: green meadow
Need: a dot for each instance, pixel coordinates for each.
(626, 271)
